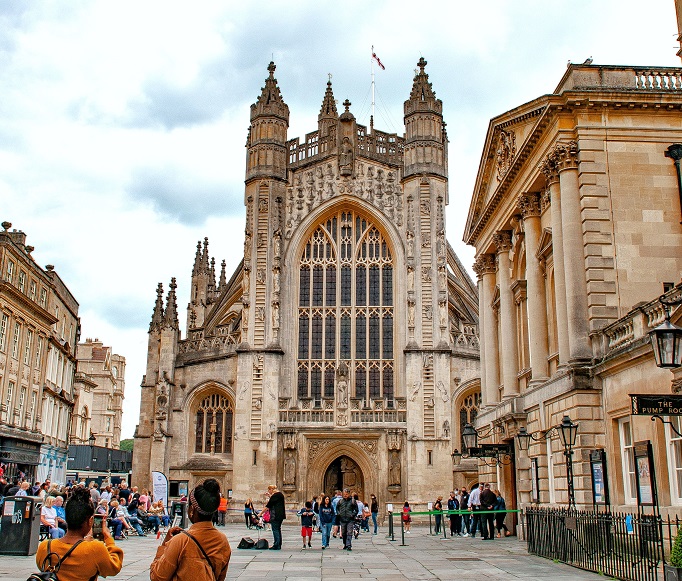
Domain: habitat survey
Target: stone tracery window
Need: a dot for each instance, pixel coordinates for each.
(214, 422)
(468, 412)
(346, 309)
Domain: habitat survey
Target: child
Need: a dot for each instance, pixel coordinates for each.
(307, 514)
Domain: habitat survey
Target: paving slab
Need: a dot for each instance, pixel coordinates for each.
(374, 558)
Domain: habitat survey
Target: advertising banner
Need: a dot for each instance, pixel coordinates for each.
(160, 485)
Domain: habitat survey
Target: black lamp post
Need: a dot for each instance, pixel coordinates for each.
(91, 441)
(666, 339)
(568, 433)
(469, 436)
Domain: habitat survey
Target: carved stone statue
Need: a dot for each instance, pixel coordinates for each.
(394, 468)
(290, 469)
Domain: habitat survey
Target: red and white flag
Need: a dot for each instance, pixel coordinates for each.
(376, 58)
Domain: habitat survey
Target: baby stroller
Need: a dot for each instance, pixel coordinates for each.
(357, 523)
(263, 520)
(255, 521)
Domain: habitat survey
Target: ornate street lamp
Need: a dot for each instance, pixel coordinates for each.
(568, 433)
(469, 436)
(92, 440)
(666, 339)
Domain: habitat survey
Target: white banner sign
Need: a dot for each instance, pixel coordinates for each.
(160, 483)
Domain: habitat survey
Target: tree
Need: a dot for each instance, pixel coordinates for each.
(126, 445)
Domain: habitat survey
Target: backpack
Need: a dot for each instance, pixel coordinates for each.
(48, 572)
(262, 544)
(246, 543)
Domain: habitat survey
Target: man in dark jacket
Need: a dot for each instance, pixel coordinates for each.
(347, 510)
(488, 501)
(277, 515)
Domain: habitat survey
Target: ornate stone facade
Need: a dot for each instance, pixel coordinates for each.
(585, 226)
(348, 335)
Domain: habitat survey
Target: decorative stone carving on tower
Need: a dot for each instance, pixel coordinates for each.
(506, 150)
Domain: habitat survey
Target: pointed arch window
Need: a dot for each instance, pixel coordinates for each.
(346, 309)
(214, 425)
(468, 412)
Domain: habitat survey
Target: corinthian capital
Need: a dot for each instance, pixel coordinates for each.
(485, 264)
(502, 240)
(550, 169)
(529, 205)
(566, 155)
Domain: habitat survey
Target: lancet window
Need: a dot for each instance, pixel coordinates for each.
(345, 310)
(214, 425)
(468, 411)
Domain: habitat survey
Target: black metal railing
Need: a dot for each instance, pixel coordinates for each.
(625, 546)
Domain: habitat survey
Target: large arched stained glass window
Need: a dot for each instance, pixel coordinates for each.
(345, 310)
(214, 425)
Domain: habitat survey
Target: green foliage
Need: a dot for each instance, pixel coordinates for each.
(676, 553)
(126, 445)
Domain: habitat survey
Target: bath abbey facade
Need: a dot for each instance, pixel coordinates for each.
(343, 350)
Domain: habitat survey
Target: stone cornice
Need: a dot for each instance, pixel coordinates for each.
(27, 304)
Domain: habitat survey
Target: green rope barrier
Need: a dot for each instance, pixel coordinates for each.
(462, 512)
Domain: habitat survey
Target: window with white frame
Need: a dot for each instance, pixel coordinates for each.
(8, 399)
(627, 451)
(675, 460)
(39, 352)
(43, 297)
(4, 322)
(33, 289)
(15, 341)
(22, 281)
(9, 273)
(32, 413)
(22, 402)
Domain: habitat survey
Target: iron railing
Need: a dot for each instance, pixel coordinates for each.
(625, 546)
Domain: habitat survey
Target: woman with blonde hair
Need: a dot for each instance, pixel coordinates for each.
(48, 518)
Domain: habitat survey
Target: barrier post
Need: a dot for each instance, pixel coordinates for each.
(430, 527)
(391, 532)
(442, 522)
(402, 532)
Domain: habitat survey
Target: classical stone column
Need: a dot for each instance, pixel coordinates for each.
(490, 367)
(574, 252)
(549, 168)
(529, 205)
(508, 346)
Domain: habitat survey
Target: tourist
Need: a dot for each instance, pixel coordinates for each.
(117, 521)
(248, 512)
(438, 508)
(124, 491)
(500, 504)
(306, 513)
(365, 517)
(407, 519)
(475, 508)
(22, 491)
(61, 514)
(144, 500)
(335, 501)
(327, 516)
(277, 515)
(488, 501)
(86, 560)
(222, 510)
(102, 507)
(156, 516)
(455, 519)
(374, 509)
(130, 519)
(106, 494)
(464, 506)
(48, 518)
(347, 511)
(201, 553)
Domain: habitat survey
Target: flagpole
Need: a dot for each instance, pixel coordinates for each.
(372, 65)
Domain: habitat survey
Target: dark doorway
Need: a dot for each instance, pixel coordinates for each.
(343, 473)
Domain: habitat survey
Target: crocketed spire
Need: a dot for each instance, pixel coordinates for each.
(328, 110)
(197, 260)
(422, 96)
(170, 319)
(157, 317)
(223, 277)
(270, 102)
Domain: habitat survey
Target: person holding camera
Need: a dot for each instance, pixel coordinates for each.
(201, 553)
(85, 560)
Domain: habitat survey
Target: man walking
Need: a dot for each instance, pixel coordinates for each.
(488, 501)
(455, 519)
(277, 515)
(347, 510)
(464, 505)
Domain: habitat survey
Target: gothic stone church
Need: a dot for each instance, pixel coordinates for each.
(343, 351)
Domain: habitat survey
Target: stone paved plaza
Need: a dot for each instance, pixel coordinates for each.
(373, 558)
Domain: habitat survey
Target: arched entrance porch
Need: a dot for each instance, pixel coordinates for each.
(342, 473)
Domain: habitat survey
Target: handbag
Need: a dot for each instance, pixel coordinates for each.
(203, 553)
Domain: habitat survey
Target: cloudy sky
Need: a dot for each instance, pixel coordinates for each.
(122, 124)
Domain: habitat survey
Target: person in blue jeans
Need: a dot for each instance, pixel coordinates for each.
(374, 509)
(326, 519)
(277, 515)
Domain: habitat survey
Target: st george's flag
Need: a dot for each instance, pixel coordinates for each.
(376, 58)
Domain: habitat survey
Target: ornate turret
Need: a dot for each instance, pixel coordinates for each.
(170, 318)
(266, 143)
(425, 141)
(203, 286)
(329, 116)
(157, 316)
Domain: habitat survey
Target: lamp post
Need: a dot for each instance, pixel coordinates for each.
(91, 441)
(500, 453)
(568, 433)
(666, 339)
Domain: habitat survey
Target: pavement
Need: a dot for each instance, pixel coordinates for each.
(377, 558)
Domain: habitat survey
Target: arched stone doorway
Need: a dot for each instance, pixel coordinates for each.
(342, 473)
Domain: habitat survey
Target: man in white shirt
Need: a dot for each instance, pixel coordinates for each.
(475, 506)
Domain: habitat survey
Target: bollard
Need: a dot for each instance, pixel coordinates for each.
(402, 532)
(391, 531)
(430, 529)
(442, 522)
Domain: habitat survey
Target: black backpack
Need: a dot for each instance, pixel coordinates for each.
(246, 543)
(262, 544)
(48, 571)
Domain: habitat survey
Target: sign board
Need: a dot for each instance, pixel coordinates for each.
(535, 482)
(644, 472)
(160, 485)
(655, 405)
(600, 484)
(491, 450)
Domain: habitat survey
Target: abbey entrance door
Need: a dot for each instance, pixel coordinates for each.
(343, 473)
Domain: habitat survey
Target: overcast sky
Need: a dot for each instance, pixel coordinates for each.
(123, 124)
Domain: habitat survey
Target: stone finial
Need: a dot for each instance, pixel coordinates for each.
(271, 69)
(347, 105)
(49, 267)
(157, 316)
(529, 205)
(170, 319)
(502, 239)
(421, 64)
(7, 225)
